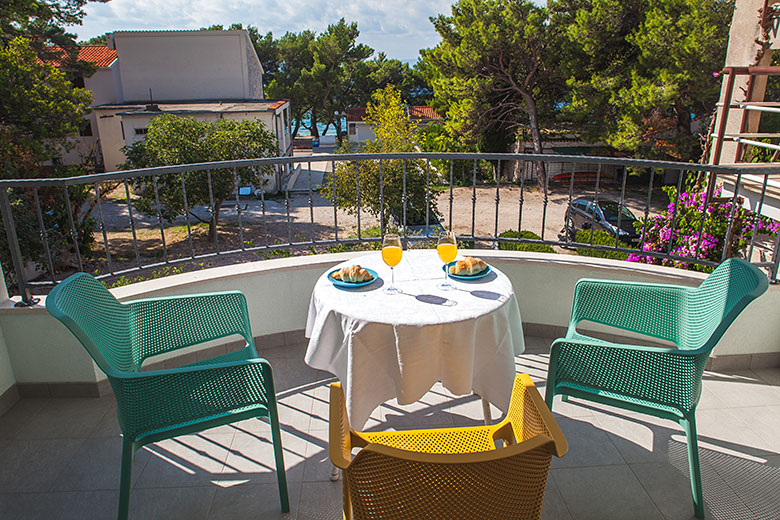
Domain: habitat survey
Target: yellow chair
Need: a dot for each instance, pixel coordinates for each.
(449, 473)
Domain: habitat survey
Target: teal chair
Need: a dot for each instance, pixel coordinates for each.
(160, 404)
(663, 382)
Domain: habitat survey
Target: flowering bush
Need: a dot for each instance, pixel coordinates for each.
(690, 239)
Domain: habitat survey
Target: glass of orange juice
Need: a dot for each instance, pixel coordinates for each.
(391, 255)
(447, 247)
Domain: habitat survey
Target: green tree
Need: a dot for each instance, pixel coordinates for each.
(39, 111)
(173, 140)
(294, 56)
(393, 133)
(642, 70)
(495, 71)
(336, 55)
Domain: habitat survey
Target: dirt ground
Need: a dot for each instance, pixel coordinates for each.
(474, 211)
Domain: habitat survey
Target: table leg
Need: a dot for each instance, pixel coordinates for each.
(486, 412)
(334, 473)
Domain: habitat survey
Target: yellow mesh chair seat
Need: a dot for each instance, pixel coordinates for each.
(452, 473)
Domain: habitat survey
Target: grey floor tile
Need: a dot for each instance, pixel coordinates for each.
(604, 493)
(553, 507)
(589, 445)
(79, 505)
(18, 416)
(108, 425)
(639, 438)
(318, 465)
(770, 375)
(765, 420)
(741, 388)
(251, 459)
(755, 480)
(189, 460)
(670, 489)
(320, 501)
(730, 429)
(65, 418)
(253, 501)
(97, 466)
(187, 503)
(33, 465)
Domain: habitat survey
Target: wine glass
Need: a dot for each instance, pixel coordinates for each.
(391, 255)
(447, 247)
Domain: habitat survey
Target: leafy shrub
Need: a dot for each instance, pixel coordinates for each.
(683, 232)
(600, 238)
(530, 235)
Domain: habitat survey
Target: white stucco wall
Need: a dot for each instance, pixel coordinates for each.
(184, 65)
(363, 132)
(101, 85)
(109, 128)
(278, 291)
(7, 379)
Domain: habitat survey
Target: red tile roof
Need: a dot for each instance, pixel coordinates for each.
(423, 112)
(100, 55)
(415, 112)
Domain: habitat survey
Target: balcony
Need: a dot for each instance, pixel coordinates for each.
(60, 443)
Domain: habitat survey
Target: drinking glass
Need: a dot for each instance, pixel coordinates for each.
(447, 247)
(391, 255)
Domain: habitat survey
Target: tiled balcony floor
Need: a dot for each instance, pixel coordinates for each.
(59, 458)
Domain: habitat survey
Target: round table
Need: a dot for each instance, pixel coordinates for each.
(384, 346)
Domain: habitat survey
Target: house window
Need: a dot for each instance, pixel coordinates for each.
(86, 130)
(141, 131)
(284, 120)
(352, 129)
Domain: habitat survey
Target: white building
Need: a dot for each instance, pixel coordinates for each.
(359, 131)
(208, 75)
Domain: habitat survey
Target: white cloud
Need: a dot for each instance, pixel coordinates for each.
(398, 27)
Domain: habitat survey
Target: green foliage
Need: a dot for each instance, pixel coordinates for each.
(394, 133)
(39, 110)
(328, 72)
(538, 248)
(494, 71)
(642, 69)
(42, 23)
(175, 140)
(600, 238)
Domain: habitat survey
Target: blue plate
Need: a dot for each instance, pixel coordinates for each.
(464, 276)
(350, 285)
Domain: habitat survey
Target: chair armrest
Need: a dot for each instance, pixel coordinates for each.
(665, 376)
(159, 399)
(160, 325)
(652, 309)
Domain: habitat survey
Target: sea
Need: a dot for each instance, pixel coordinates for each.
(321, 127)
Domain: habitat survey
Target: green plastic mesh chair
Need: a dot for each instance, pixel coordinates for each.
(160, 404)
(663, 382)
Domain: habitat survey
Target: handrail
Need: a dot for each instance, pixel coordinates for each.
(606, 167)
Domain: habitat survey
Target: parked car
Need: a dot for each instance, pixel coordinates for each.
(580, 215)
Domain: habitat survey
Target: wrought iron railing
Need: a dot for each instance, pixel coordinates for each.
(577, 176)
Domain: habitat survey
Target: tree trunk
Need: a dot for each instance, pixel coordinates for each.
(315, 132)
(296, 128)
(536, 135)
(337, 124)
(215, 221)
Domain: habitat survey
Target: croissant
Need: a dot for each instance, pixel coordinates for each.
(352, 274)
(469, 266)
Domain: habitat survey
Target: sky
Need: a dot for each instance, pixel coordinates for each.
(398, 27)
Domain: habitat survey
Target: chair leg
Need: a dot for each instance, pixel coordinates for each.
(281, 476)
(128, 450)
(689, 425)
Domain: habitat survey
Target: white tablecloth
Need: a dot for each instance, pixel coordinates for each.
(384, 346)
